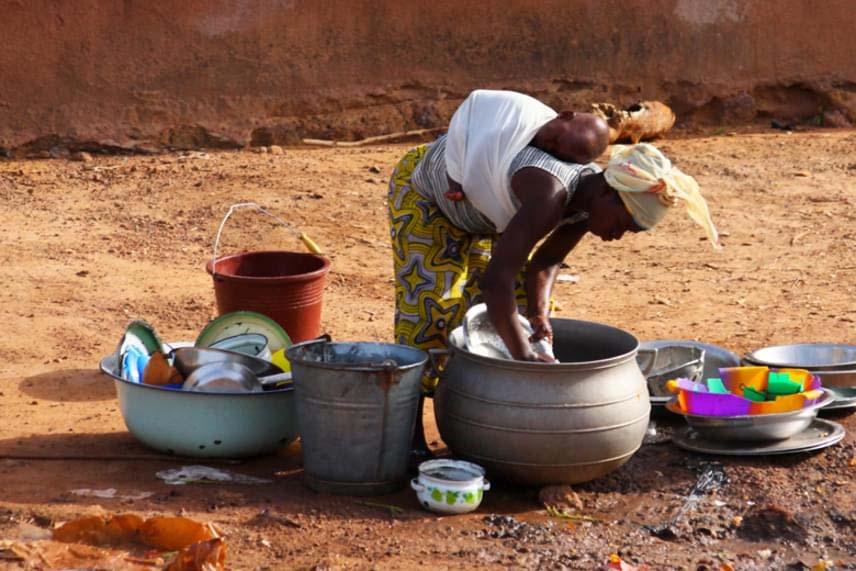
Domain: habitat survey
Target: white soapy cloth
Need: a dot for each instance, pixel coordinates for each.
(481, 338)
(486, 132)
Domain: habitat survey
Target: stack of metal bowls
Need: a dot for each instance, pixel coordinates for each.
(666, 359)
(835, 364)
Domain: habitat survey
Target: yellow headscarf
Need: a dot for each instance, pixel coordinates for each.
(649, 186)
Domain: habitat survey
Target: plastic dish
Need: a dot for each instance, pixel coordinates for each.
(138, 343)
(748, 391)
(252, 344)
(242, 322)
(753, 427)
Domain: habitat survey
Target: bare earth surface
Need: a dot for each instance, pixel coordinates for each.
(88, 246)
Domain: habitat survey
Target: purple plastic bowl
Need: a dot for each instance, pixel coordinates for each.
(685, 384)
(716, 404)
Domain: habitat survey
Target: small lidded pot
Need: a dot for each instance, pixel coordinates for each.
(450, 486)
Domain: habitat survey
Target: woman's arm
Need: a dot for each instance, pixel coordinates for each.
(542, 271)
(542, 199)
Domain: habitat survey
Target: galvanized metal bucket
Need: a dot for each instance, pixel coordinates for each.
(356, 410)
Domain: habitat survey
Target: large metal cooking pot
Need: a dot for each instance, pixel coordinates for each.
(539, 423)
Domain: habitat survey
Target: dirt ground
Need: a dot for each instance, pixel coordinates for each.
(87, 246)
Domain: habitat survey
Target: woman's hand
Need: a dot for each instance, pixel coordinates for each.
(534, 357)
(541, 328)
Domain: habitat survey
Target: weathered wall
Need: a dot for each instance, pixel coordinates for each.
(140, 73)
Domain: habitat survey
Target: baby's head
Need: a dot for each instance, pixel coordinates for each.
(576, 137)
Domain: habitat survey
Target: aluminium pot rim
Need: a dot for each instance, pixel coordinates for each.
(456, 337)
(363, 368)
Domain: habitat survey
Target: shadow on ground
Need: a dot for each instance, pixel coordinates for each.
(70, 385)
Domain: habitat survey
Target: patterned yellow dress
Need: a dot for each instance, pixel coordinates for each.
(440, 254)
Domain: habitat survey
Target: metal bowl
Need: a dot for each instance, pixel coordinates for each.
(753, 428)
(222, 378)
(843, 379)
(662, 364)
(811, 356)
(205, 425)
(188, 359)
(715, 358)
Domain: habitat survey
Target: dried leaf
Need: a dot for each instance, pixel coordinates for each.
(100, 530)
(12, 552)
(171, 533)
(125, 526)
(617, 564)
(202, 556)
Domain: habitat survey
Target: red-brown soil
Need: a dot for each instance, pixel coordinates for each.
(87, 246)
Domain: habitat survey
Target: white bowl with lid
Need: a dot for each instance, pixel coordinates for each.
(450, 486)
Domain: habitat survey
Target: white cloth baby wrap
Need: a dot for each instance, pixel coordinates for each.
(486, 132)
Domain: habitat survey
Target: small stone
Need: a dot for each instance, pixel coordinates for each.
(802, 174)
(560, 497)
(737, 520)
(374, 170)
(81, 157)
(275, 150)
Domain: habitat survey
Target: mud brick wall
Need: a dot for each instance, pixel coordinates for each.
(142, 74)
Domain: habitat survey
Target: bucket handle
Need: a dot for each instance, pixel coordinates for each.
(323, 338)
(307, 241)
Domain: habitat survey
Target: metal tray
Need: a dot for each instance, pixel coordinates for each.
(844, 399)
(819, 434)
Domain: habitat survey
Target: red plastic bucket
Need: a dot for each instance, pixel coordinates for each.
(288, 287)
